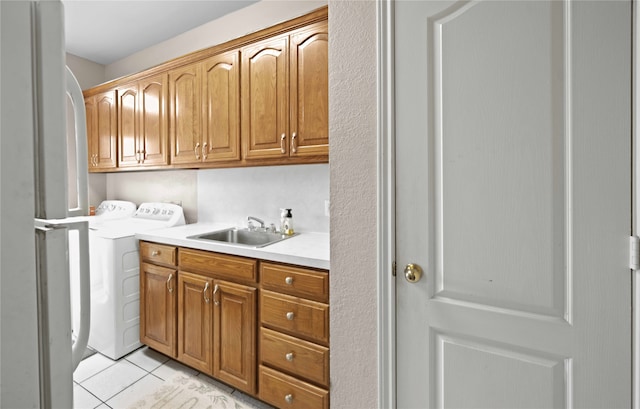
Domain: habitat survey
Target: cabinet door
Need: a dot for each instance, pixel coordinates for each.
(92, 133)
(235, 335)
(184, 115)
(221, 107)
(128, 126)
(153, 121)
(158, 308)
(106, 131)
(194, 321)
(265, 99)
(309, 125)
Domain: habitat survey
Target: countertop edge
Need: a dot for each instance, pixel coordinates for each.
(283, 252)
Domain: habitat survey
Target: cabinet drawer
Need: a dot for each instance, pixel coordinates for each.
(284, 391)
(158, 253)
(306, 319)
(295, 356)
(218, 265)
(301, 282)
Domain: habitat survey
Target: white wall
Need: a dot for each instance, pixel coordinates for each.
(177, 186)
(244, 21)
(352, 128)
(230, 195)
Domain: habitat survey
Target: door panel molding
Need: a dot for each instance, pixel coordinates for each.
(485, 365)
(461, 63)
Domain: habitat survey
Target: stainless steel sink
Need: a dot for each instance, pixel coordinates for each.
(242, 237)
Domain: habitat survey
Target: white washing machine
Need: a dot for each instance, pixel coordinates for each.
(115, 277)
(107, 212)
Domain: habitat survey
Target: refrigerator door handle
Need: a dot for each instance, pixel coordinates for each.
(77, 99)
(82, 340)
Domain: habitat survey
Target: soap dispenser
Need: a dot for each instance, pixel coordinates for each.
(287, 225)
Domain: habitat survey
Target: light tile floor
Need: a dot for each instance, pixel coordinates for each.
(101, 383)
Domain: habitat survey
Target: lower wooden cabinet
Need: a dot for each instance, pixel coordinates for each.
(195, 324)
(234, 329)
(294, 336)
(285, 391)
(217, 318)
(158, 308)
(258, 326)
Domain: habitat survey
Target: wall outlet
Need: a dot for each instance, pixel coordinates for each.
(327, 206)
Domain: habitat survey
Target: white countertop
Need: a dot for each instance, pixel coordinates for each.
(304, 249)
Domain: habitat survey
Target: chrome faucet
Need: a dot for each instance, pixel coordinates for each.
(255, 219)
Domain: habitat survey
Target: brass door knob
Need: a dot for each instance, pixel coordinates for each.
(413, 273)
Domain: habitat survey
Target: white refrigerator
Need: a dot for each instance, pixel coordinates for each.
(37, 358)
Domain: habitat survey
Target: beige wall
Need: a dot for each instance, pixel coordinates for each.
(88, 73)
(352, 128)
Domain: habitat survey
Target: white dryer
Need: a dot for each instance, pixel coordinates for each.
(115, 277)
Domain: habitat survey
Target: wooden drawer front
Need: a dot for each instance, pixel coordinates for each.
(158, 253)
(306, 319)
(284, 391)
(301, 282)
(295, 356)
(218, 265)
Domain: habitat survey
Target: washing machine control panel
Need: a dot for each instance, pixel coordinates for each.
(168, 214)
(115, 209)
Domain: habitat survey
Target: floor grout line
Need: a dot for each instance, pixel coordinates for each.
(147, 373)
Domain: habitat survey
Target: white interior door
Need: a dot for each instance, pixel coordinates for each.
(513, 143)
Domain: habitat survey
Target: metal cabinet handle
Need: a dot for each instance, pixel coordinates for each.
(283, 146)
(169, 288)
(289, 356)
(155, 253)
(195, 151)
(290, 316)
(215, 292)
(205, 151)
(294, 147)
(288, 280)
(204, 293)
(288, 398)
(138, 156)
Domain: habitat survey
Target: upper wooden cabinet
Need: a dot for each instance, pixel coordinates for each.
(221, 107)
(101, 131)
(265, 99)
(261, 99)
(204, 112)
(184, 115)
(285, 95)
(309, 120)
(142, 123)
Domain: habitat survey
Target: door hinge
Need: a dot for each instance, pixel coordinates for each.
(393, 269)
(634, 253)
